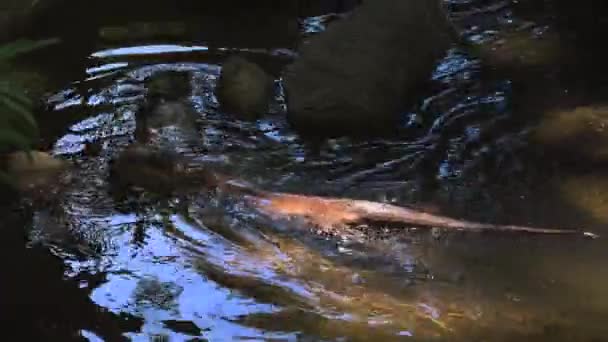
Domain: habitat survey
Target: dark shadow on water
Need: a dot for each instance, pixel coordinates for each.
(39, 303)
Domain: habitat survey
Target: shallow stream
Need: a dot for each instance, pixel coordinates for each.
(201, 267)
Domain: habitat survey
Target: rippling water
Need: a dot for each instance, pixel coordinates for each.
(201, 265)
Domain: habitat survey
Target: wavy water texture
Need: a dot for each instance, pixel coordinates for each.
(202, 264)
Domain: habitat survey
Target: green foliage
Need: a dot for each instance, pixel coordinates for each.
(19, 47)
(18, 127)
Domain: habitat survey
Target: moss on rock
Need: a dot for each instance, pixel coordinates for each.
(579, 133)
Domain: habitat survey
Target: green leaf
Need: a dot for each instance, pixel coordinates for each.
(19, 109)
(14, 90)
(22, 46)
(24, 129)
(7, 179)
(11, 138)
(23, 113)
(18, 126)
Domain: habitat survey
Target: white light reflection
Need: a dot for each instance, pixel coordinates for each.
(147, 50)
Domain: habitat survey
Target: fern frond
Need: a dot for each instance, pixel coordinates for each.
(9, 138)
(11, 50)
(7, 179)
(12, 89)
(20, 113)
(18, 126)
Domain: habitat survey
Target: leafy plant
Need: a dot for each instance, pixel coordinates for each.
(18, 127)
(19, 47)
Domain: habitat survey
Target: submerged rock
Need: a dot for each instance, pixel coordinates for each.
(167, 106)
(33, 171)
(588, 193)
(168, 85)
(158, 170)
(358, 75)
(146, 167)
(576, 135)
(575, 141)
(18, 162)
(521, 51)
(173, 113)
(244, 89)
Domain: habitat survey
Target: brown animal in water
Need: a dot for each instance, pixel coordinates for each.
(329, 214)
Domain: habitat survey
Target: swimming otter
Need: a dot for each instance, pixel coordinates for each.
(244, 89)
(328, 214)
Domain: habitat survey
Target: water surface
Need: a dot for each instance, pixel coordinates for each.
(201, 266)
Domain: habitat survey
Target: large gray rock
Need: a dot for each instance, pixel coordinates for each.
(358, 75)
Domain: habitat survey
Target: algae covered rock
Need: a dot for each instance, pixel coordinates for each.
(20, 161)
(172, 114)
(168, 85)
(154, 169)
(579, 134)
(38, 169)
(577, 140)
(522, 49)
(358, 75)
(588, 193)
(145, 167)
(244, 89)
(167, 107)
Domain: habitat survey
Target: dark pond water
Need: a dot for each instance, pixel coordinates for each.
(200, 267)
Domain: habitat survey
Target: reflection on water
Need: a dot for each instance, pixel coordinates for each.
(201, 265)
(147, 49)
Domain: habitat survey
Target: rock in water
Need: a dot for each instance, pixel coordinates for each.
(174, 113)
(38, 170)
(358, 75)
(244, 89)
(145, 167)
(37, 161)
(167, 108)
(168, 85)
